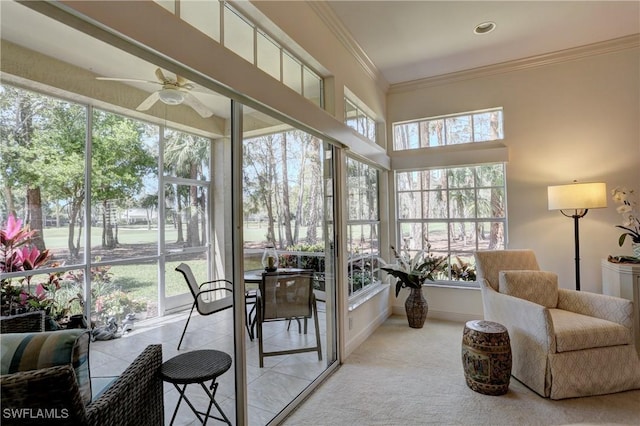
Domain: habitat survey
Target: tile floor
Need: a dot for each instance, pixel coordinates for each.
(270, 388)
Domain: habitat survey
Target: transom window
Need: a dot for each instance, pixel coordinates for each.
(477, 126)
(226, 25)
(358, 120)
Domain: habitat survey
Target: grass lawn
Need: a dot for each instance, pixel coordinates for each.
(139, 281)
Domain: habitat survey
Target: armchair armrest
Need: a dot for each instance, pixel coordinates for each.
(23, 323)
(54, 389)
(601, 306)
(206, 307)
(530, 331)
(211, 290)
(226, 287)
(520, 316)
(136, 397)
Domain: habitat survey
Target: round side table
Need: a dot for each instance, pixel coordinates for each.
(197, 367)
(486, 357)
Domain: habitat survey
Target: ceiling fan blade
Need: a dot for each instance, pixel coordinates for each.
(181, 80)
(133, 80)
(161, 76)
(198, 106)
(148, 103)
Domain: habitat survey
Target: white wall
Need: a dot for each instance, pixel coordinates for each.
(573, 119)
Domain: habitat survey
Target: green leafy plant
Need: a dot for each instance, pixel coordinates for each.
(109, 300)
(360, 279)
(18, 254)
(413, 271)
(462, 271)
(316, 263)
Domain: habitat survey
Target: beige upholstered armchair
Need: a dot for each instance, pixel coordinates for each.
(565, 343)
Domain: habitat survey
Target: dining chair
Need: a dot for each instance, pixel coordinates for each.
(283, 297)
(217, 297)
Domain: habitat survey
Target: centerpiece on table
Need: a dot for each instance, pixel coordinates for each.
(627, 198)
(411, 273)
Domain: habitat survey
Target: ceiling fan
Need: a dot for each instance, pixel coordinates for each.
(173, 92)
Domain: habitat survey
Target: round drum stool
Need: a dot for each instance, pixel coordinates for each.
(486, 357)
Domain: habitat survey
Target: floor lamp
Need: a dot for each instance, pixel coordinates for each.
(574, 201)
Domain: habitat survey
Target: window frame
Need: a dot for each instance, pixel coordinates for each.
(445, 130)
(87, 262)
(450, 253)
(358, 120)
(371, 258)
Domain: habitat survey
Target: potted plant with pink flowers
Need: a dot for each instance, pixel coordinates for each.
(18, 254)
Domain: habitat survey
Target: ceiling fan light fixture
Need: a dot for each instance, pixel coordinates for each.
(171, 96)
(484, 28)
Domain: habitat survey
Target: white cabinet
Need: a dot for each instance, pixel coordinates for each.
(623, 280)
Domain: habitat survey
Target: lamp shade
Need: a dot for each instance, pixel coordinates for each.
(577, 196)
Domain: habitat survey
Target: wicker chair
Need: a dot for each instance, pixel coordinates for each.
(134, 398)
(22, 323)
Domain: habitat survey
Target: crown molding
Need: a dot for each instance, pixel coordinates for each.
(335, 25)
(601, 48)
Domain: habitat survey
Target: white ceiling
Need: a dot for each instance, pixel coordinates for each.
(409, 40)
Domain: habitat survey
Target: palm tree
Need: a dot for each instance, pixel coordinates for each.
(187, 156)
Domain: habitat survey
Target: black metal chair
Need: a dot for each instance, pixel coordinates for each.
(217, 297)
(283, 297)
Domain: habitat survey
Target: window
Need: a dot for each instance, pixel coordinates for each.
(453, 212)
(358, 120)
(363, 226)
(251, 42)
(478, 126)
(113, 245)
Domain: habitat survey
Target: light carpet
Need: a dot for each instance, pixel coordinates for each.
(404, 376)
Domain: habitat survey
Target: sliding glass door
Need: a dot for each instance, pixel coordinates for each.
(121, 192)
(287, 178)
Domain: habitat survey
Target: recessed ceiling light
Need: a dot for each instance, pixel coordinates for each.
(485, 27)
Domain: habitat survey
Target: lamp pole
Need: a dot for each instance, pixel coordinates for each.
(576, 238)
(579, 198)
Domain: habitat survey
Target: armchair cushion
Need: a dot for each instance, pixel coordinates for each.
(34, 351)
(539, 287)
(575, 332)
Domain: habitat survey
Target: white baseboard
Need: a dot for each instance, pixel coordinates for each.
(364, 334)
(442, 315)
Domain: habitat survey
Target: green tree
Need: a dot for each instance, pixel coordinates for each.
(260, 178)
(186, 156)
(119, 162)
(60, 163)
(21, 117)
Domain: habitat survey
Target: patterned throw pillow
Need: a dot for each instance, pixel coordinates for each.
(539, 287)
(33, 351)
